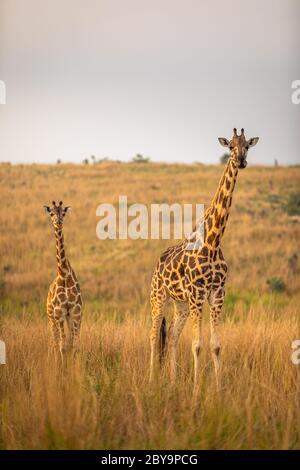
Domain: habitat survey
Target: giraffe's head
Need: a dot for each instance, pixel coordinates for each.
(239, 147)
(57, 213)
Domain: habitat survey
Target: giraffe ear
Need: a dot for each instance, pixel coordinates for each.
(46, 208)
(224, 141)
(66, 209)
(253, 141)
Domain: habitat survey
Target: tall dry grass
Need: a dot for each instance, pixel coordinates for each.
(104, 400)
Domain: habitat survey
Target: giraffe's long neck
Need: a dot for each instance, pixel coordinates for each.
(62, 263)
(217, 214)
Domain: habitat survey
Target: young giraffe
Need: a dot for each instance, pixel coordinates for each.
(190, 276)
(64, 296)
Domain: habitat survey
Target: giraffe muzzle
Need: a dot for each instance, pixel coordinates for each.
(242, 163)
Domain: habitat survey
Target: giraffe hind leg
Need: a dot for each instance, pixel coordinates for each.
(163, 341)
(196, 317)
(74, 322)
(59, 316)
(181, 313)
(53, 327)
(158, 330)
(76, 330)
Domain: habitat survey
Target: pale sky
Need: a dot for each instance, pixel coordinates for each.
(164, 78)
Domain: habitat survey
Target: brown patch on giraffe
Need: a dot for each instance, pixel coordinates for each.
(211, 238)
(204, 269)
(161, 268)
(71, 296)
(204, 251)
(209, 223)
(192, 262)
(60, 282)
(199, 282)
(163, 257)
(69, 281)
(195, 273)
(181, 271)
(224, 203)
(224, 266)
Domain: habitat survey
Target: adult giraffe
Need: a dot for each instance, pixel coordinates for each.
(191, 274)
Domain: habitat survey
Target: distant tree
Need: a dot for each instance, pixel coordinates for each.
(93, 158)
(224, 158)
(275, 162)
(140, 159)
(58, 161)
(85, 161)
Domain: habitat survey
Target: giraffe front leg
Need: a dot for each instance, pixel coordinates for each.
(59, 319)
(216, 300)
(53, 327)
(180, 315)
(196, 317)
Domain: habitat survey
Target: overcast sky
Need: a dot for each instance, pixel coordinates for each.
(113, 78)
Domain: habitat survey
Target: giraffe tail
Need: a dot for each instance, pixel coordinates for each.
(162, 340)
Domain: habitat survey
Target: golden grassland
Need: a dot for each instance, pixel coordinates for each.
(104, 400)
